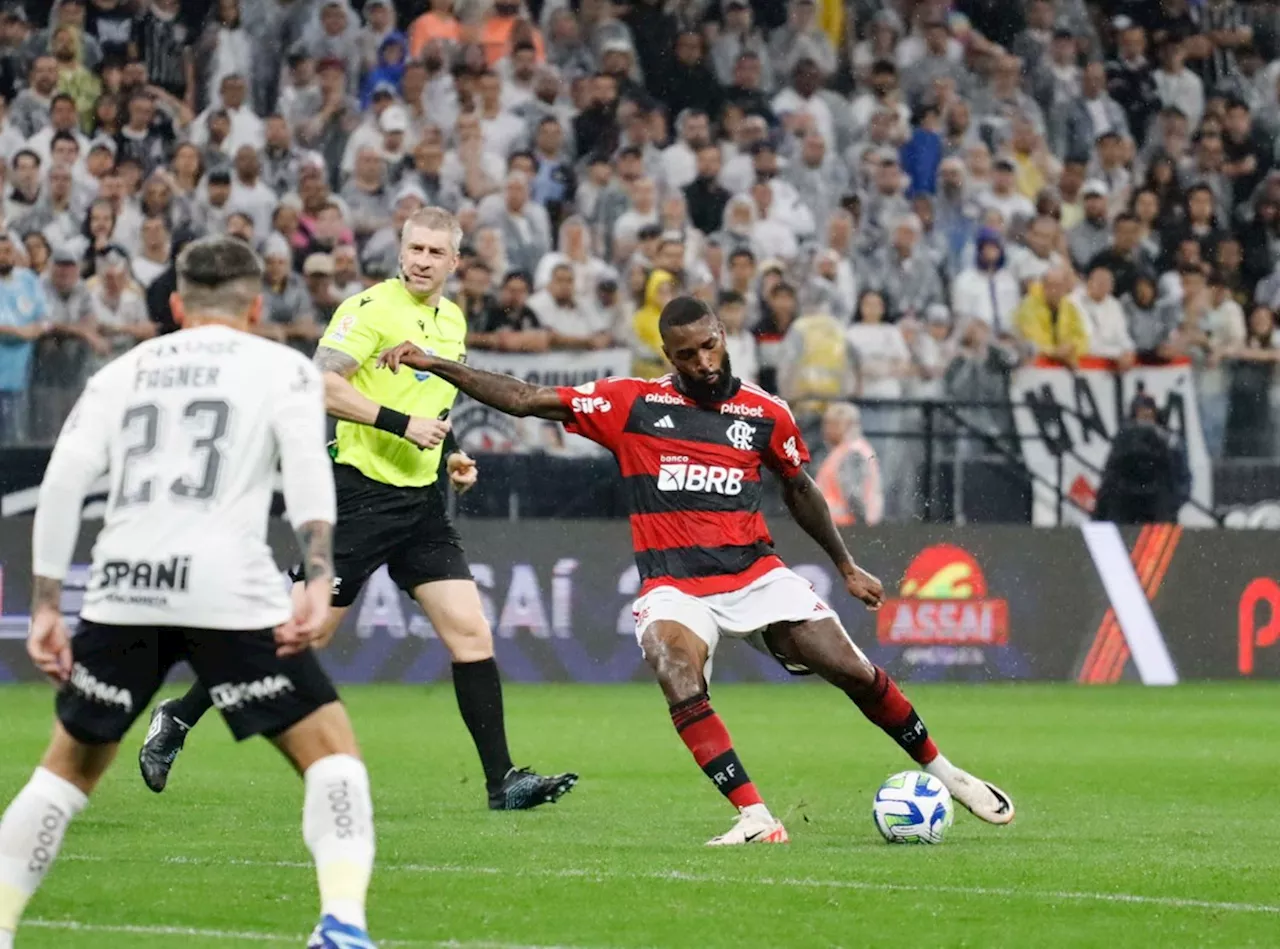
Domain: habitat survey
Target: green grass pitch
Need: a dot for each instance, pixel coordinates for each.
(1146, 818)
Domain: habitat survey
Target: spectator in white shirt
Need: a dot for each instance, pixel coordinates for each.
(152, 258)
(804, 97)
(680, 159)
(502, 130)
(1039, 251)
(987, 291)
(1015, 207)
(250, 194)
(246, 127)
(558, 310)
(1104, 318)
(1177, 85)
(740, 346)
(643, 210)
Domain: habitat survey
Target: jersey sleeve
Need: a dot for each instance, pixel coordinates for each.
(82, 453)
(786, 453)
(599, 409)
(353, 331)
(298, 424)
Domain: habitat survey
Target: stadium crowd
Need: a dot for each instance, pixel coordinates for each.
(886, 199)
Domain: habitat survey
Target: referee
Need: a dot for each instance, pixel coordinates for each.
(391, 509)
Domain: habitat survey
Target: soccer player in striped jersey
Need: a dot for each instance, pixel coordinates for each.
(691, 447)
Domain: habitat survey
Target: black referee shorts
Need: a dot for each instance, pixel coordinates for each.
(408, 529)
(118, 669)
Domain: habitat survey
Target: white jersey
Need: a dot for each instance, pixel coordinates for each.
(189, 429)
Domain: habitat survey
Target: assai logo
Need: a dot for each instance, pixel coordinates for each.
(708, 478)
(590, 406)
(944, 602)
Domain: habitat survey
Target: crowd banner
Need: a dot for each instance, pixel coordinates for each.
(964, 604)
(1068, 417)
(482, 429)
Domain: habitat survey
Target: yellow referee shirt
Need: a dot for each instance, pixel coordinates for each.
(384, 316)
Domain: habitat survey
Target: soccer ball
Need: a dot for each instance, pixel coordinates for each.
(913, 808)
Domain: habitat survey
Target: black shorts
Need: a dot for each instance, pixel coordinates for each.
(408, 529)
(117, 670)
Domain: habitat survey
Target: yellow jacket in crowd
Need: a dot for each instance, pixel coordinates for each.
(1047, 329)
(659, 287)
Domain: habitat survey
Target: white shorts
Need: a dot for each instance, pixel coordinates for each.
(780, 596)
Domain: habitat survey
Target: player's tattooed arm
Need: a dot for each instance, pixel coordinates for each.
(809, 509)
(46, 593)
(316, 540)
(505, 393)
(341, 399)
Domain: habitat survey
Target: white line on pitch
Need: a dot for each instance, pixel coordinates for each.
(71, 925)
(1050, 896)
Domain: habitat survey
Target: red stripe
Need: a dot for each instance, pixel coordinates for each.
(1154, 580)
(710, 586)
(1109, 627)
(697, 529)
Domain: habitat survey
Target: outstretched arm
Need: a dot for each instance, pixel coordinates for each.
(809, 509)
(505, 393)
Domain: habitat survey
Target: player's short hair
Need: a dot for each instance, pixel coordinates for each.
(681, 312)
(219, 275)
(435, 219)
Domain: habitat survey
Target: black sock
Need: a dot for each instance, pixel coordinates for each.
(191, 706)
(479, 690)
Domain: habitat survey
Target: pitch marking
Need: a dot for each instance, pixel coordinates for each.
(1171, 902)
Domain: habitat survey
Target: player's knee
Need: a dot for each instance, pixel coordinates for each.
(325, 732)
(78, 763)
(675, 663)
(468, 638)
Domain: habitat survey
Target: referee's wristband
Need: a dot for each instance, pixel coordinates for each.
(389, 420)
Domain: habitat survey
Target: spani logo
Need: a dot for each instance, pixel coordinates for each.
(944, 601)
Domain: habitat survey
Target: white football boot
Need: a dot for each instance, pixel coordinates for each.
(755, 825)
(983, 799)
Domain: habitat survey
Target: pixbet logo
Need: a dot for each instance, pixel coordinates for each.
(588, 406)
(709, 478)
(737, 408)
(663, 398)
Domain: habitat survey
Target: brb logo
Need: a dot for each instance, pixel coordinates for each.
(709, 478)
(589, 406)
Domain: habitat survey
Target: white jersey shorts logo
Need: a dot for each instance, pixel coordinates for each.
(229, 696)
(708, 478)
(94, 689)
(741, 435)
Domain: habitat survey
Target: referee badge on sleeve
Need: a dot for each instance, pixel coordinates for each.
(345, 325)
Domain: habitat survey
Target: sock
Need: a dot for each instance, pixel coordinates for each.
(885, 705)
(703, 732)
(337, 825)
(479, 690)
(31, 832)
(191, 706)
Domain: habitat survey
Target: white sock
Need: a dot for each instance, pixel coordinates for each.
(940, 768)
(31, 832)
(337, 824)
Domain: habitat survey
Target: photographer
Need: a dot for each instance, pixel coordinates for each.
(1146, 479)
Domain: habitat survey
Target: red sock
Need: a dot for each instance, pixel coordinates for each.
(702, 731)
(886, 706)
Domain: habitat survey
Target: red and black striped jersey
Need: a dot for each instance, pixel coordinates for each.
(692, 476)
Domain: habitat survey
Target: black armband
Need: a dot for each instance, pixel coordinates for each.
(389, 420)
(450, 445)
